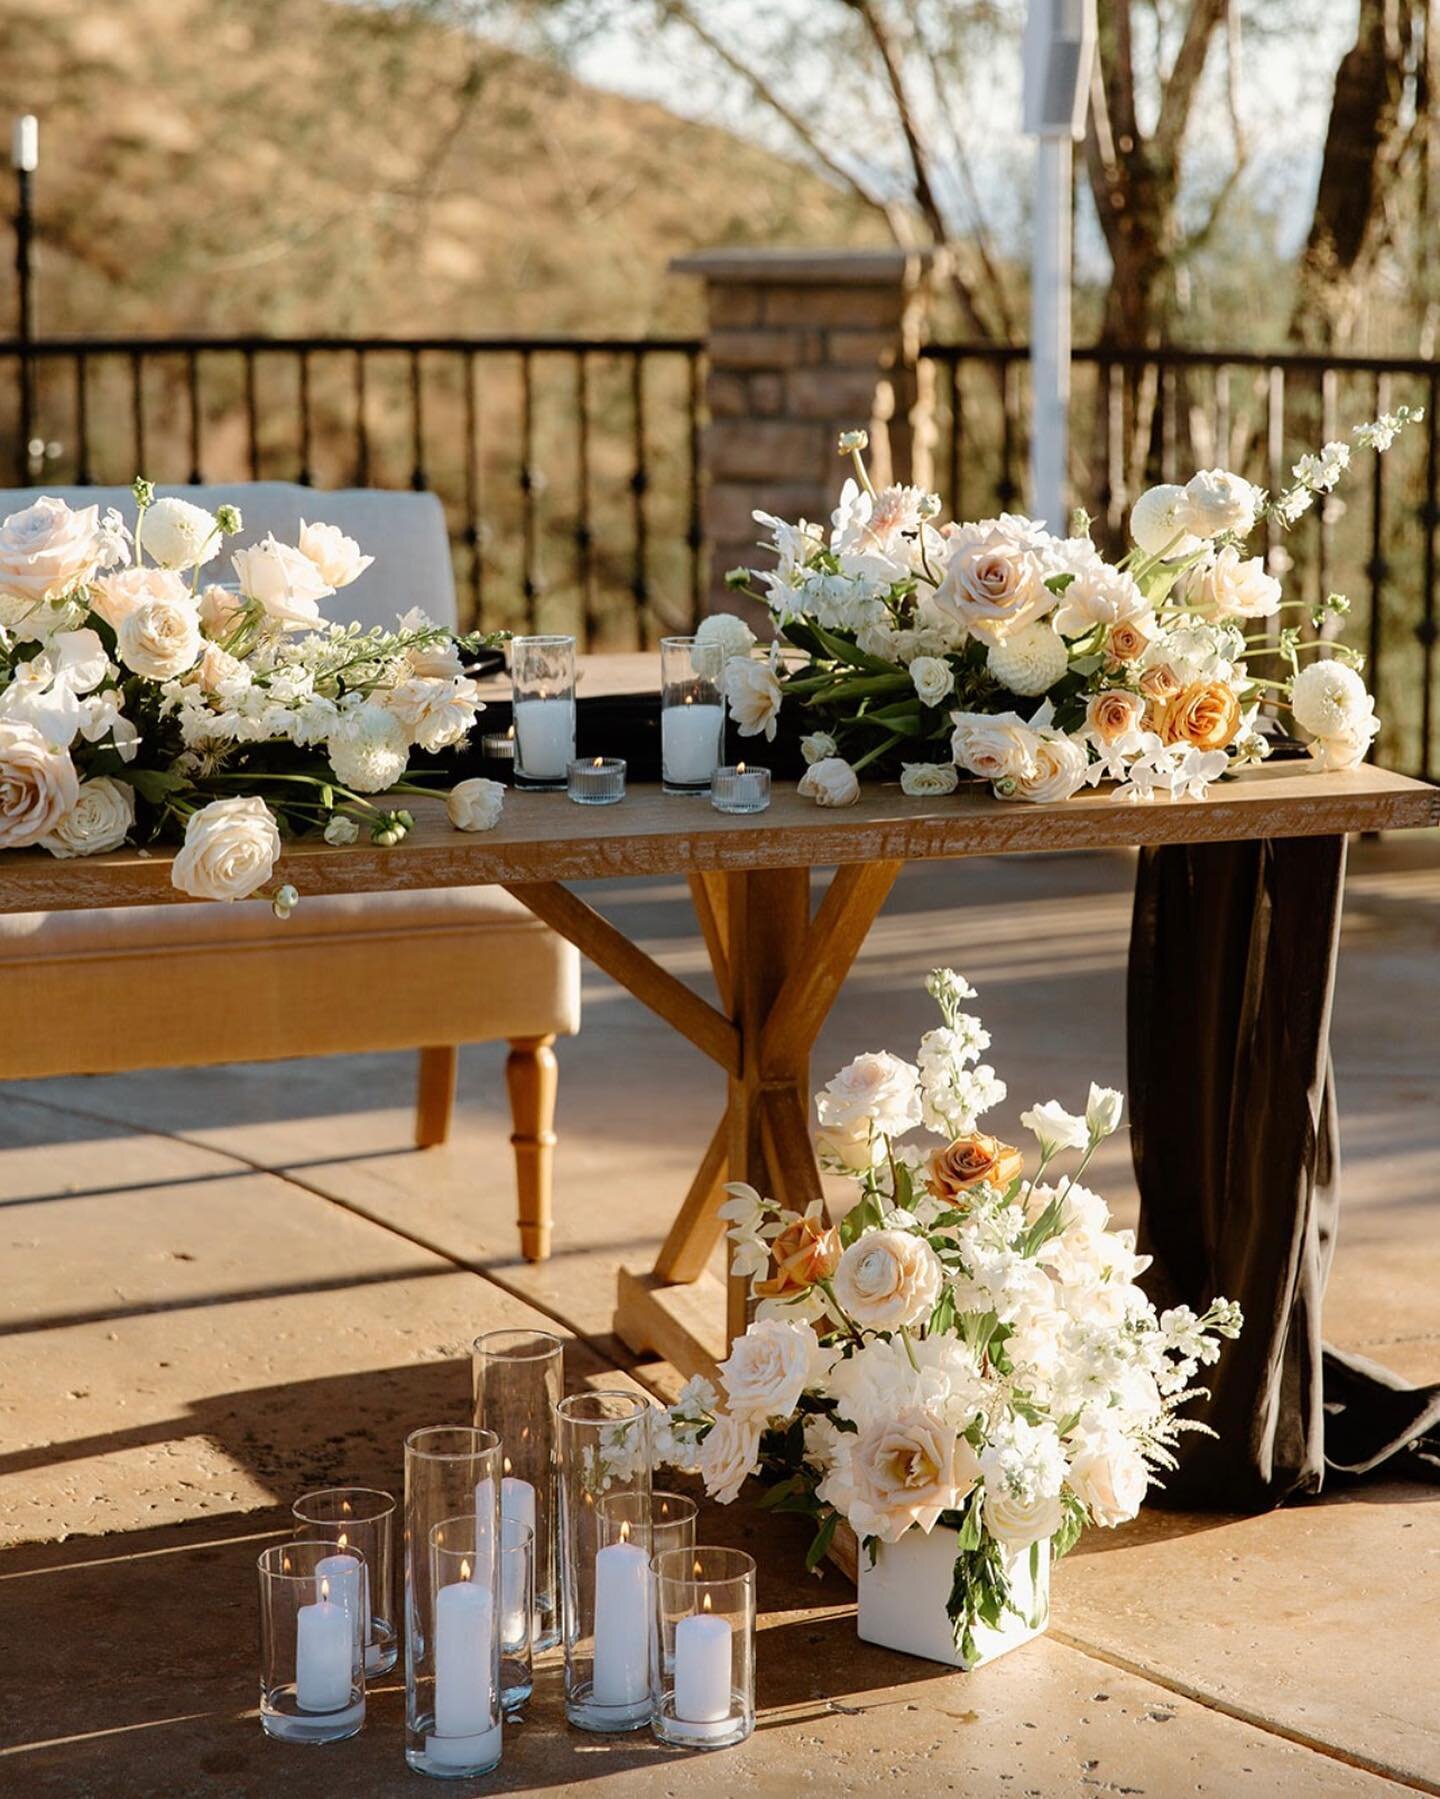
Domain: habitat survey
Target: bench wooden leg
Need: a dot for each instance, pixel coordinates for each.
(532, 1076)
(435, 1100)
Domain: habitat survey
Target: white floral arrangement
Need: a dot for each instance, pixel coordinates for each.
(138, 702)
(967, 1349)
(996, 649)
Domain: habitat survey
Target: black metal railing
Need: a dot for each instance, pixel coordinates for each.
(569, 467)
(1140, 416)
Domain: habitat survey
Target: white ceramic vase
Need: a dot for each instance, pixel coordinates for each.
(903, 1595)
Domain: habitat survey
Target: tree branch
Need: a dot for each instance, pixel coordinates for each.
(1184, 78)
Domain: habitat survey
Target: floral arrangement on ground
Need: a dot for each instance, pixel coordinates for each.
(140, 703)
(968, 1349)
(928, 650)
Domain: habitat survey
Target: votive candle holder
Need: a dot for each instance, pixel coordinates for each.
(312, 1659)
(519, 1379)
(740, 789)
(542, 679)
(360, 1520)
(517, 1614)
(703, 1647)
(596, 781)
(692, 713)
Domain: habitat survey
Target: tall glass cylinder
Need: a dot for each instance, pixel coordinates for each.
(360, 1520)
(604, 1452)
(312, 1660)
(703, 1659)
(692, 713)
(542, 677)
(519, 1379)
(452, 1600)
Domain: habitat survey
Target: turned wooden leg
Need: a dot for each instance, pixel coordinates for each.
(531, 1075)
(435, 1100)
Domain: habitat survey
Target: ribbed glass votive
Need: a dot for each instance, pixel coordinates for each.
(596, 781)
(740, 789)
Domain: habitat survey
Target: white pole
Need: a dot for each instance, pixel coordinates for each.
(1050, 333)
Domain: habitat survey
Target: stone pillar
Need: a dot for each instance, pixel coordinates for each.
(801, 345)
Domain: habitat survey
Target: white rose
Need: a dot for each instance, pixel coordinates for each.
(368, 750)
(116, 596)
(1057, 771)
(230, 848)
(1109, 1477)
(286, 584)
(1018, 1522)
(220, 609)
(994, 579)
(754, 695)
(336, 556)
(176, 534)
(830, 783)
(1328, 698)
(475, 805)
(436, 713)
(1216, 501)
(1347, 748)
(853, 1150)
(819, 746)
(887, 1279)
(724, 634)
(906, 1470)
(922, 780)
(98, 821)
(730, 1452)
(38, 785)
(1055, 1128)
(160, 639)
(933, 679)
(217, 666)
(769, 1368)
(876, 1089)
(1226, 587)
(48, 550)
(1160, 522)
(1029, 661)
(998, 746)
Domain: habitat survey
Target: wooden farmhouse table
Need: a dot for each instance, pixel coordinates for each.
(777, 969)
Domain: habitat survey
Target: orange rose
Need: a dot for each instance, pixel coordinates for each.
(1127, 641)
(1206, 713)
(1114, 713)
(805, 1252)
(1160, 686)
(970, 1160)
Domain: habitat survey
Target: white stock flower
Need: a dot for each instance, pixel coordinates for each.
(341, 829)
(876, 1091)
(48, 550)
(98, 821)
(1103, 1109)
(1328, 697)
(1029, 661)
(933, 679)
(286, 585)
(922, 780)
(230, 848)
(754, 695)
(996, 746)
(1226, 587)
(730, 1452)
(1217, 501)
(769, 1368)
(906, 1470)
(724, 634)
(1324, 470)
(159, 638)
(367, 750)
(830, 783)
(38, 785)
(475, 805)
(336, 557)
(887, 1279)
(1055, 1128)
(1024, 1469)
(1160, 524)
(177, 534)
(819, 746)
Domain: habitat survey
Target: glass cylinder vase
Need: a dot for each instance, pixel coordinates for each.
(312, 1659)
(519, 1379)
(692, 713)
(452, 1600)
(604, 1452)
(360, 1520)
(703, 1651)
(542, 677)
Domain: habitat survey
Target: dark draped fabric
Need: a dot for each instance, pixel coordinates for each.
(1233, 1126)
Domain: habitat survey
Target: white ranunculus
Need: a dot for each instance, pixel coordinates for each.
(1103, 1109)
(160, 639)
(1055, 1128)
(48, 550)
(1029, 661)
(1109, 1477)
(819, 746)
(754, 695)
(907, 1470)
(924, 780)
(341, 829)
(368, 750)
(830, 783)
(769, 1368)
(1160, 522)
(1328, 697)
(475, 805)
(1217, 501)
(723, 634)
(38, 785)
(117, 595)
(435, 713)
(1226, 587)
(286, 585)
(98, 821)
(336, 556)
(178, 534)
(876, 1089)
(996, 746)
(1018, 1522)
(934, 681)
(887, 1279)
(730, 1452)
(230, 849)
(1057, 771)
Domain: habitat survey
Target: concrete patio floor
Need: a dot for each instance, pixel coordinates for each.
(224, 1286)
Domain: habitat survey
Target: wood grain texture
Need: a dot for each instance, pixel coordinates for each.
(544, 837)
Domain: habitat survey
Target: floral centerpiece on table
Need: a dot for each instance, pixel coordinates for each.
(140, 702)
(967, 1350)
(1029, 660)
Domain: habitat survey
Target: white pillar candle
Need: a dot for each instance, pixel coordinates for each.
(345, 1576)
(545, 733)
(622, 1625)
(703, 1649)
(690, 742)
(517, 1503)
(466, 1730)
(324, 1658)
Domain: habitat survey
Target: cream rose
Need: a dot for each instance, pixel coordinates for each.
(924, 780)
(887, 1279)
(285, 584)
(906, 1470)
(754, 695)
(1018, 1522)
(336, 556)
(994, 581)
(932, 679)
(769, 1368)
(230, 848)
(818, 746)
(48, 550)
(475, 805)
(116, 596)
(1112, 716)
(875, 1090)
(1109, 1477)
(1057, 771)
(220, 609)
(159, 639)
(1226, 587)
(98, 821)
(177, 534)
(730, 1452)
(38, 785)
(996, 746)
(852, 1150)
(1347, 748)
(830, 783)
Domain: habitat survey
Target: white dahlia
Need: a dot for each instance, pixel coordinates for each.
(368, 750)
(1029, 661)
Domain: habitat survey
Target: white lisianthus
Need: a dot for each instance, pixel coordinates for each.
(1160, 522)
(1109, 1477)
(830, 783)
(336, 556)
(1029, 661)
(769, 1368)
(888, 1279)
(819, 746)
(1328, 698)
(754, 695)
(368, 750)
(1103, 1109)
(724, 634)
(924, 780)
(230, 849)
(1217, 501)
(98, 821)
(997, 747)
(38, 785)
(934, 681)
(1226, 587)
(286, 585)
(730, 1453)
(1098, 594)
(178, 534)
(48, 550)
(160, 638)
(475, 805)
(1055, 1128)
(876, 1091)
(1057, 770)
(341, 829)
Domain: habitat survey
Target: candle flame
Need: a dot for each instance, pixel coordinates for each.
(625, 1530)
(344, 1540)
(597, 762)
(507, 1464)
(698, 1570)
(464, 1569)
(739, 768)
(324, 1588)
(706, 1605)
(511, 731)
(345, 1507)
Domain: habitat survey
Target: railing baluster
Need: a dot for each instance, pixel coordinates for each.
(418, 479)
(362, 423)
(137, 411)
(252, 417)
(584, 533)
(1377, 569)
(192, 395)
(472, 492)
(306, 477)
(639, 485)
(1006, 489)
(1326, 510)
(1115, 475)
(1222, 417)
(84, 477)
(529, 529)
(1426, 629)
(1169, 422)
(695, 525)
(957, 439)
